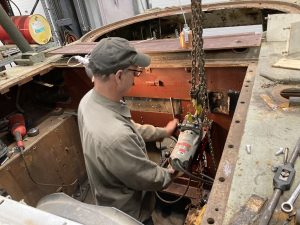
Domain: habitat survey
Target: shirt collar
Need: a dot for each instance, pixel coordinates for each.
(118, 107)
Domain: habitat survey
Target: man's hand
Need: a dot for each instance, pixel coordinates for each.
(174, 173)
(171, 126)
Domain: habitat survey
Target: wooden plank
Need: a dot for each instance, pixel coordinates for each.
(288, 64)
(22, 74)
(172, 44)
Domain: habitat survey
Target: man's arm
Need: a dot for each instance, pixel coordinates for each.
(152, 133)
(127, 162)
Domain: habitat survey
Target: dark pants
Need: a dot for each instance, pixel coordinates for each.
(148, 221)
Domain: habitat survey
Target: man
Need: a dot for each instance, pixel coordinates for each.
(118, 168)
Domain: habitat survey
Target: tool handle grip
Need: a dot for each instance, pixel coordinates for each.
(19, 139)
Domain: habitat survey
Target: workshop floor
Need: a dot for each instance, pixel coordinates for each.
(174, 214)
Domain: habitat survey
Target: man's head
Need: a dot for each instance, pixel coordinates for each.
(114, 63)
(113, 54)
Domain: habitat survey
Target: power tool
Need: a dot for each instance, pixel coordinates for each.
(17, 128)
(188, 141)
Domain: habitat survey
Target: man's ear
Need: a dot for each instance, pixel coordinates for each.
(118, 75)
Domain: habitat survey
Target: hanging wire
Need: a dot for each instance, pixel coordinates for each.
(16, 6)
(182, 11)
(43, 184)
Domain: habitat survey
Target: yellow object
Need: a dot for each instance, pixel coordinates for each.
(39, 29)
(189, 117)
(200, 216)
(186, 37)
(198, 107)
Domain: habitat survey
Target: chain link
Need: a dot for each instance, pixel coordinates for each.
(199, 93)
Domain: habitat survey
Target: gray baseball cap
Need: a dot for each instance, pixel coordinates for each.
(114, 53)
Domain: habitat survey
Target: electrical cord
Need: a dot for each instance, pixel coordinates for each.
(16, 6)
(82, 60)
(176, 200)
(182, 11)
(43, 184)
(193, 176)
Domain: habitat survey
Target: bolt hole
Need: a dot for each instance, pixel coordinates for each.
(248, 81)
(216, 209)
(237, 121)
(246, 85)
(221, 179)
(242, 102)
(210, 221)
(230, 146)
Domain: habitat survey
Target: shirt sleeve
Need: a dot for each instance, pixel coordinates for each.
(126, 160)
(149, 132)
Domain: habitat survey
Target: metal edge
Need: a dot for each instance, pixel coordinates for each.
(277, 5)
(216, 207)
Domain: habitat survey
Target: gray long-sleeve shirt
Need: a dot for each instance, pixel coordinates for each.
(118, 168)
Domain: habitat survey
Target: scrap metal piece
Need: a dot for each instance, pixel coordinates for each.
(248, 149)
(249, 212)
(280, 151)
(33, 132)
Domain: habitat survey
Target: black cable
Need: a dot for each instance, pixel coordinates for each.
(176, 200)
(16, 7)
(43, 184)
(192, 175)
(34, 6)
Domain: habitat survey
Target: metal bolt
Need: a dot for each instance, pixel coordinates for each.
(248, 149)
(280, 151)
(274, 168)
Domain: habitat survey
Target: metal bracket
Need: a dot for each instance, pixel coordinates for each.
(30, 58)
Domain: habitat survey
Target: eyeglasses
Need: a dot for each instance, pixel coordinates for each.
(137, 73)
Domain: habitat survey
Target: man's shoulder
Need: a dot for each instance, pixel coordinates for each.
(85, 99)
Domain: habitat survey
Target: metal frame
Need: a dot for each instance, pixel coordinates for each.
(266, 4)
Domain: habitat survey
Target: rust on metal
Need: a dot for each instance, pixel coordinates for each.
(249, 211)
(221, 187)
(153, 105)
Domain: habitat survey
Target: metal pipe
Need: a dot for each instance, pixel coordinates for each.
(13, 32)
(268, 212)
(295, 153)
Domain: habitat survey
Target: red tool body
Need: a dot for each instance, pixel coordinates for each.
(17, 128)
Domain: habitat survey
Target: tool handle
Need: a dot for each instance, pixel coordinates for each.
(295, 153)
(19, 139)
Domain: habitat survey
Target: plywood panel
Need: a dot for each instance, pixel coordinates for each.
(54, 157)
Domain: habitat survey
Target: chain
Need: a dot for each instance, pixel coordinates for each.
(199, 93)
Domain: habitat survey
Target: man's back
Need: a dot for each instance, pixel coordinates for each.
(117, 164)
